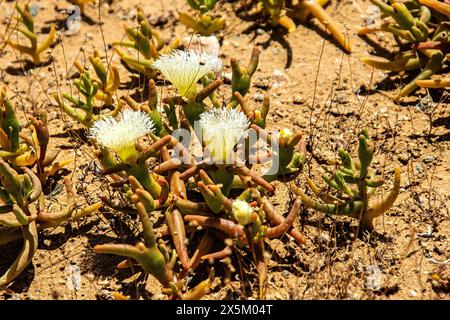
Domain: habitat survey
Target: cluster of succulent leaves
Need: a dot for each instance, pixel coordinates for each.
(155, 179)
(146, 42)
(204, 22)
(421, 29)
(285, 13)
(350, 185)
(170, 182)
(25, 164)
(232, 208)
(25, 25)
(92, 93)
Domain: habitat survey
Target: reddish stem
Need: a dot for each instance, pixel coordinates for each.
(227, 226)
(285, 224)
(176, 227)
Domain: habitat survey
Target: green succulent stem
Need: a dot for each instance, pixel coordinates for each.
(142, 174)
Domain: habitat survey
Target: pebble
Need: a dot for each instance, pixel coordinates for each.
(260, 31)
(429, 159)
(280, 113)
(227, 76)
(298, 100)
(258, 97)
(413, 293)
(419, 168)
(74, 278)
(132, 14)
(279, 78)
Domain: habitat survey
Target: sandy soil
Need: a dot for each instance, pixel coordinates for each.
(314, 87)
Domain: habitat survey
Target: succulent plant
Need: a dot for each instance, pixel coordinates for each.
(281, 12)
(289, 149)
(421, 30)
(118, 141)
(147, 43)
(27, 149)
(307, 8)
(26, 28)
(108, 78)
(82, 110)
(18, 219)
(276, 12)
(351, 185)
(205, 24)
(154, 259)
(158, 177)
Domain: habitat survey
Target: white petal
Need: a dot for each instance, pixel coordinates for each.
(185, 68)
(222, 129)
(117, 135)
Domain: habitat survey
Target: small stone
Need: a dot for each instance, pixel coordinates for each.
(227, 76)
(429, 159)
(259, 97)
(74, 278)
(413, 293)
(132, 14)
(419, 168)
(260, 31)
(279, 78)
(280, 113)
(298, 99)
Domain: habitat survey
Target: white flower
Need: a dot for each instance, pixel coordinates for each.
(121, 136)
(185, 68)
(222, 129)
(242, 212)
